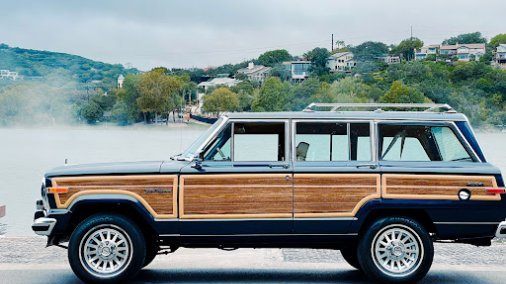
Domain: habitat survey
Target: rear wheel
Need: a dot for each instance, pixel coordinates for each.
(395, 250)
(106, 249)
(350, 255)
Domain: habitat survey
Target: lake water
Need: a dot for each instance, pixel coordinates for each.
(25, 154)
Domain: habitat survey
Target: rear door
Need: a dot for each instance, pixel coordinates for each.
(244, 186)
(423, 162)
(335, 174)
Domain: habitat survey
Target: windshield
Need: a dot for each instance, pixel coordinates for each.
(189, 153)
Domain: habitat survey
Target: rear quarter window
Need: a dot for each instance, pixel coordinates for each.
(401, 142)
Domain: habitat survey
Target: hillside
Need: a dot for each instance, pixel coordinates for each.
(35, 64)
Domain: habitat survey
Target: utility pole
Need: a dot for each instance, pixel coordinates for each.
(332, 44)
(411, 37)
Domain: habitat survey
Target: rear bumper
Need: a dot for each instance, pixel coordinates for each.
(44, 226)
(501, 230)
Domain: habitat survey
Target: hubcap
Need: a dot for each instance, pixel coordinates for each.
(397, 250)
(105, 251)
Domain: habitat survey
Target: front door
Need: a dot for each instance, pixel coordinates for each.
(334, 176)
(243, 187)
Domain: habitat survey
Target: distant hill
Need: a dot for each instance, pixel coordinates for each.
(34, 64)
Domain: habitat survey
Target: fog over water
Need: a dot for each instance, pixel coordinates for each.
(25, 154)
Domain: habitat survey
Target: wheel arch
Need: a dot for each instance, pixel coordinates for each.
(127, 206)
(417, 214)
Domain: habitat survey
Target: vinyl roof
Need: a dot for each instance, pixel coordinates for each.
(368, 115)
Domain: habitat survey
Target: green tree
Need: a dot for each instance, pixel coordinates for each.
(350, 90)
(369, 51)
(272, 96)
(400, 93)
(91, 112)
(318, 58)
(220, 100)
(159, 93)
(406, 48)
(475, 37)
(498, 39)
(273, 57)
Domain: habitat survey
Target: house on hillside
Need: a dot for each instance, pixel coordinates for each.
(464, 52)
(422, 53)
(6, 74)
(256, 73)
(341, 62)
(389, 59)
(216, 82)
(298, 70)
(500, 56)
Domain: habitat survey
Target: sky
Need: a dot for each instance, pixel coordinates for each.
(203, 33)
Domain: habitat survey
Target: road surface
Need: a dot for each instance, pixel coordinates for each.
(25, 260)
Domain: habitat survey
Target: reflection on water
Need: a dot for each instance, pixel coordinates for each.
(25, 154)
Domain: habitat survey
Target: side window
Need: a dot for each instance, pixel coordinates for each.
(449, 145)
(419, 143)
(332, 141)
(264, 141)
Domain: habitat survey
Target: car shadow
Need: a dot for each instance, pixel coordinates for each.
(265, 275)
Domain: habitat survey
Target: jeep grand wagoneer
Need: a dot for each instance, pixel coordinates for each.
(379, 185)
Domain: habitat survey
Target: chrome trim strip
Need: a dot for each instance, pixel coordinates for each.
(266, 219)
(252, 235)
(466, 223)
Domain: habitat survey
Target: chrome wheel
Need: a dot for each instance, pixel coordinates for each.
(105, 251)
(397, 250)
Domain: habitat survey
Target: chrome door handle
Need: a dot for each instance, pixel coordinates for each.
(370, 166)
(284, 166)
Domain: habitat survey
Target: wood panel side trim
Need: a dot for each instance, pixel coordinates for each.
(375, 195)
(118, 189)
(430, 189)
(183, 187)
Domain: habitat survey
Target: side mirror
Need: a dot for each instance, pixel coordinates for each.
(197, 160)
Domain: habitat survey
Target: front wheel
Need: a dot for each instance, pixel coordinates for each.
(395, 250)
(106, 249)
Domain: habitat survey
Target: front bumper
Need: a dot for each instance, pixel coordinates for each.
(501, 230)
(44, 226)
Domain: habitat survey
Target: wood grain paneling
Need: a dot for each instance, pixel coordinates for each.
(158, 193)
(235, 196)
(437, 186)
(327, 195)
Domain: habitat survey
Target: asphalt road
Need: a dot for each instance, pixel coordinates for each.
(25, 260)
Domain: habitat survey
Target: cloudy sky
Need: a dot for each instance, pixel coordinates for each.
(193, 33)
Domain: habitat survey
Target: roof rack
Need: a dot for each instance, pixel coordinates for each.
(378, 107)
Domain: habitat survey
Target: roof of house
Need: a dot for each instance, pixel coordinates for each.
(220, 81)
(340, 54)
(468, 45)
(254, 69)
(297, 62)
(501, 47)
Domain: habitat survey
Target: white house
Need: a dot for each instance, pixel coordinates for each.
(121, 78)
(341, 62)
(254, 72)
(6, 74)
(427, 50)
(464, 52)
(221, 81)
(500, 56)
